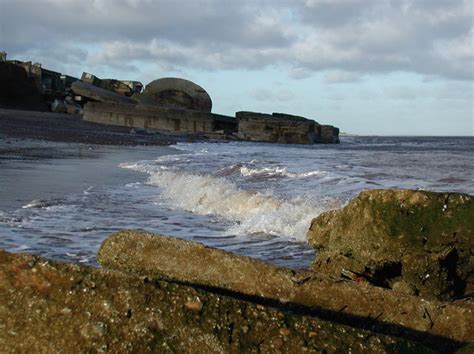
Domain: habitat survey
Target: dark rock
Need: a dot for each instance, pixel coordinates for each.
(58, 106)
(467, 349)
(401, 239)
(17, 90)
(158, 257)
(55, 307)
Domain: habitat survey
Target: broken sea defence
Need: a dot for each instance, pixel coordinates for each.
(415, 242)
(159, 257)
(48, 306)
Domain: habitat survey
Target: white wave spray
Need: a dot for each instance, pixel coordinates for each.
(252, 212)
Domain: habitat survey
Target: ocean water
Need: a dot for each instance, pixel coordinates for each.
(249, 198)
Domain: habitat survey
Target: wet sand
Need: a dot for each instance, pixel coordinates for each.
(40, 170)
(45, 155)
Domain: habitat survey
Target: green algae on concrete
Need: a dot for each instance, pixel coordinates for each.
(50, 307)
(413, 241)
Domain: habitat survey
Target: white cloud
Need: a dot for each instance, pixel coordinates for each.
(355, 37)
(336, 77)
(275, 95)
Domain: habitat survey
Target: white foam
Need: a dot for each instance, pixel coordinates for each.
(252, 212)
(275, 172)
(39, 203)
(143, 166)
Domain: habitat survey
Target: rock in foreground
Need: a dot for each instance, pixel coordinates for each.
(358, 304)
(411, 241)
(55, 307)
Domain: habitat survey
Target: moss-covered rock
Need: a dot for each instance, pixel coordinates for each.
(411, 241)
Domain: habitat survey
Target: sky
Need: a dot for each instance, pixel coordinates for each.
(370, 67)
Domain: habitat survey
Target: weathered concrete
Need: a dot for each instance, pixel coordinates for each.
(412, 241)
(324, 134)
(328, 134)
(150, 117)
(175, 93)
(99, 94)
(124, 88)
(275, 129)
(290, 117)
(159, 257)
(49, 307)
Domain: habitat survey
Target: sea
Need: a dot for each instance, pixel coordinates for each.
(253, 199)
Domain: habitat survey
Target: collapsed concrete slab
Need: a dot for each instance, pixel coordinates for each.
(53, 307)
(99, 94)
(155, 118)
(159, 257)
(122, 87)
(327, 134)
(284, 128)
(275, 129)
(324, 134)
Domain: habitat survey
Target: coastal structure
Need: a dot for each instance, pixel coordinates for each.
(167, 104)
(49, 83)
(122, 87)
(175, 93)
(284, 128)
(179, 105)
(168, 119)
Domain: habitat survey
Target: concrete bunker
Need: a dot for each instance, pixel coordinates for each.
(175, 93)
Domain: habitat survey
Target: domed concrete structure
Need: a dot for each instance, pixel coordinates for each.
(175, 93)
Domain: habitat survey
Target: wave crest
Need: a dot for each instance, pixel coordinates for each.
(253, 212)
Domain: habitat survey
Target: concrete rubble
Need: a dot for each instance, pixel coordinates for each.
(284, 129)
(99, 94)
(415, 242)
(50, 306)
(186, 262)
(172, 105)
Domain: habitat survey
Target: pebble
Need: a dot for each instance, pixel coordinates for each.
(194, 305)
(278, 343)
(404, 287)
(66, 311)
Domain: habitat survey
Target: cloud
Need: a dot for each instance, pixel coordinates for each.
(401, 93)
(354, 37)
(386, 36)
(336, 77)
(274, 95)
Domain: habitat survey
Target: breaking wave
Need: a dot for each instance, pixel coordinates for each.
(40, 203)
(252, 212)
(268, 172)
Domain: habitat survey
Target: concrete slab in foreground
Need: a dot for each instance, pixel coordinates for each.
(359, 304)
(56, 307)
